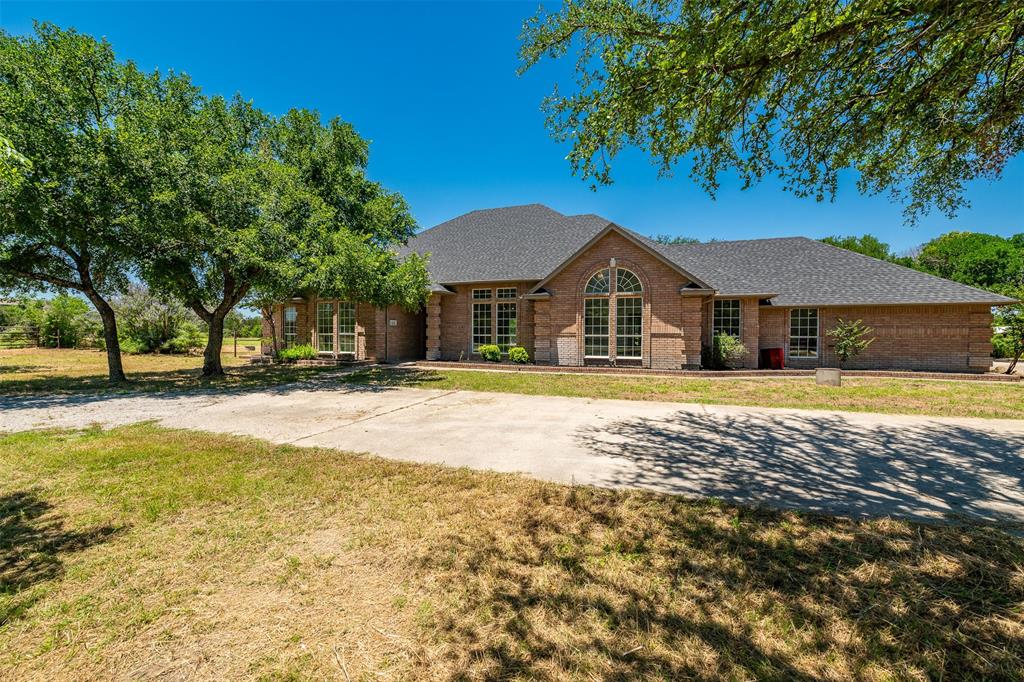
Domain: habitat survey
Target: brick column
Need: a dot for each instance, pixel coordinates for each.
(751, 330)
(979, 339)
(542, 332)
(434, 327)
(691, 322)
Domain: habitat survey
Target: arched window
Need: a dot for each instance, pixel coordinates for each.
(626, 282)
(600, 299)
(599, 283)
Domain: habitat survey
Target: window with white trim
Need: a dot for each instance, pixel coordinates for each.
(623, 287)
(346, 327)
(505, 315)
(325, 327)
(507, 292)
(628, 326)
(595, 327)
(291, 325)
(726, 317)
(803, 333)
(627, 282)
(481, 325)
(481, 294)
(599, 283)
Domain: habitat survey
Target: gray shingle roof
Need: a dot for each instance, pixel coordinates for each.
(526, 243)
(504, 244)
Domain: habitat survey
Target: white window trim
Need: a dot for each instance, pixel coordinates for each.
(334, 327)
(607, 337)
(790, 337)
(353, 334)
(739, 316)
(284, 326)
(640, 298)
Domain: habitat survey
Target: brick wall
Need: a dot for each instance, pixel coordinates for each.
(455, 310)
(671, 322)
(914, 337)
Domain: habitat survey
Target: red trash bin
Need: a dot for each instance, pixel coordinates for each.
(772, 358)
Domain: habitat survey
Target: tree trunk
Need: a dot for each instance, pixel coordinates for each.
(212, 366)
(1013, 363)
(114, 369)
(268, 315)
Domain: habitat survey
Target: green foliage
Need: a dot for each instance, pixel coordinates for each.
(1012, 339)
(867, 244)
(490, 352)
(66, 323)
(151, 322)
(1002, 346)
(67, 106)
(918, 97)
(249, 206)
(518, 355)
(13, 164)
(675, 239)
(188, 338)
(726, 352)
(293, 353)
(237, 324)
(980, 260)
(850, 339)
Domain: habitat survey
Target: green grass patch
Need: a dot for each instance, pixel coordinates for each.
(143, 552)
(886, 395)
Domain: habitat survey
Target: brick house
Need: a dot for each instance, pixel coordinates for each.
(581, 290)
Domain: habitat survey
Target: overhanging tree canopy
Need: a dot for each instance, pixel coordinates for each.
(70, 176)
(248, 205)
(919, 96)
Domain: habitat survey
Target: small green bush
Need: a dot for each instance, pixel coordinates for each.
(293, 353)
(131, 346)
(490, 352)
(188, 338)
(518, 355)
(1002, 347)
(725, 352)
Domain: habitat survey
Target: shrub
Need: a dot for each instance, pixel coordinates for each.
(67, 322)
(850, 339)
(293, 353)
(188, 338)
(518, 355)
(130, 346)
(490, 352)
(725, 352)
(153, 323)
(1002, 347)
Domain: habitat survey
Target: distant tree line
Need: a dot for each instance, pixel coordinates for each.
(146, 323)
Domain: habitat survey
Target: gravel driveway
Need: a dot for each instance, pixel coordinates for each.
(861, 464)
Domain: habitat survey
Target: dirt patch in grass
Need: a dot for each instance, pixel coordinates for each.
(891, 396)
(222, 558)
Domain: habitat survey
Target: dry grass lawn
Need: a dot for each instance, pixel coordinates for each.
(893, 396)
(140, 552)
(48, 370)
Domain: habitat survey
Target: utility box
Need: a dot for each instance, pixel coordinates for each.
(828, 376)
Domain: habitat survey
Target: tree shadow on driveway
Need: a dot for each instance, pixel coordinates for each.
(925, 470)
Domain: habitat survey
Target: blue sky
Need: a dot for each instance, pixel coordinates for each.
(453, 128)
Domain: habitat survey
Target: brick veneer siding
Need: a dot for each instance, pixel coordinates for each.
(671, 322)
(404, 341)
(750, 327)
(949, 338)
(454, 329)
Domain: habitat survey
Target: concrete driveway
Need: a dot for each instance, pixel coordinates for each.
(860, 464)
